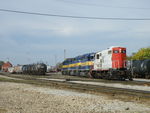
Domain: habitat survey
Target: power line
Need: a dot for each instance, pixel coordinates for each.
(98, 5)
(70, 16)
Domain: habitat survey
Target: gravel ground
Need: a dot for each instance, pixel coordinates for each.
(25, 98)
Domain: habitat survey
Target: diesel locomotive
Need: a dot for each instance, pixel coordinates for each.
(106, 64)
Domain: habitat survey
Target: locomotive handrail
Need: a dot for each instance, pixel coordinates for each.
(125, 63)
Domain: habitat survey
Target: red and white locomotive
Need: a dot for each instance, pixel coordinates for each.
(110, 64)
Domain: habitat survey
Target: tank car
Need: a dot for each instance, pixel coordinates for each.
(35, 69)
(140, 68)
(106, 64)
(40, 68)
(17, 69)
(11, 70)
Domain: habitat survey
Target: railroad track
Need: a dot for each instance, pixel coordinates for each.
(134, 82)
(69, 83)
(104, 89)
(77, 78)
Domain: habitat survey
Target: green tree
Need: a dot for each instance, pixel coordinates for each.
(1, 63)
(143, 53)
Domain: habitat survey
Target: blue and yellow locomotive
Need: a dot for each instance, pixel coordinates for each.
(80, 65)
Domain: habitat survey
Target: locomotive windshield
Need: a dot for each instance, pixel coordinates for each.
(119, 51)
(123, 51)
(115, 51)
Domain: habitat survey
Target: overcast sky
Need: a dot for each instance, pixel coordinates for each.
(29, 38)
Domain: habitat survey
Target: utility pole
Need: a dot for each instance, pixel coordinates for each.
(64, 54)
(55, 59)
(28, 57)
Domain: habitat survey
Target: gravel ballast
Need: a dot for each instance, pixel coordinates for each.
(115, 85)
(25, 98)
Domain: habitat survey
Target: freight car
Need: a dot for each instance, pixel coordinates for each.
(106, 64)
(31, 69)
(18, 69)
(11, 70)
(34, 69)
(140, 68)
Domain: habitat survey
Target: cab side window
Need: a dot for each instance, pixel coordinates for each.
(97, 56)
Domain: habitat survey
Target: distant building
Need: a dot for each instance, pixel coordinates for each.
(5, 66)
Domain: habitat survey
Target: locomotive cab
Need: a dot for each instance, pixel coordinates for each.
(119, 58)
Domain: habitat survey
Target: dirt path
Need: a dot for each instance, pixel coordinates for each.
(24, 98)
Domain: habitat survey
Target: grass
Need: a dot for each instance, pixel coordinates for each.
(3, 110)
